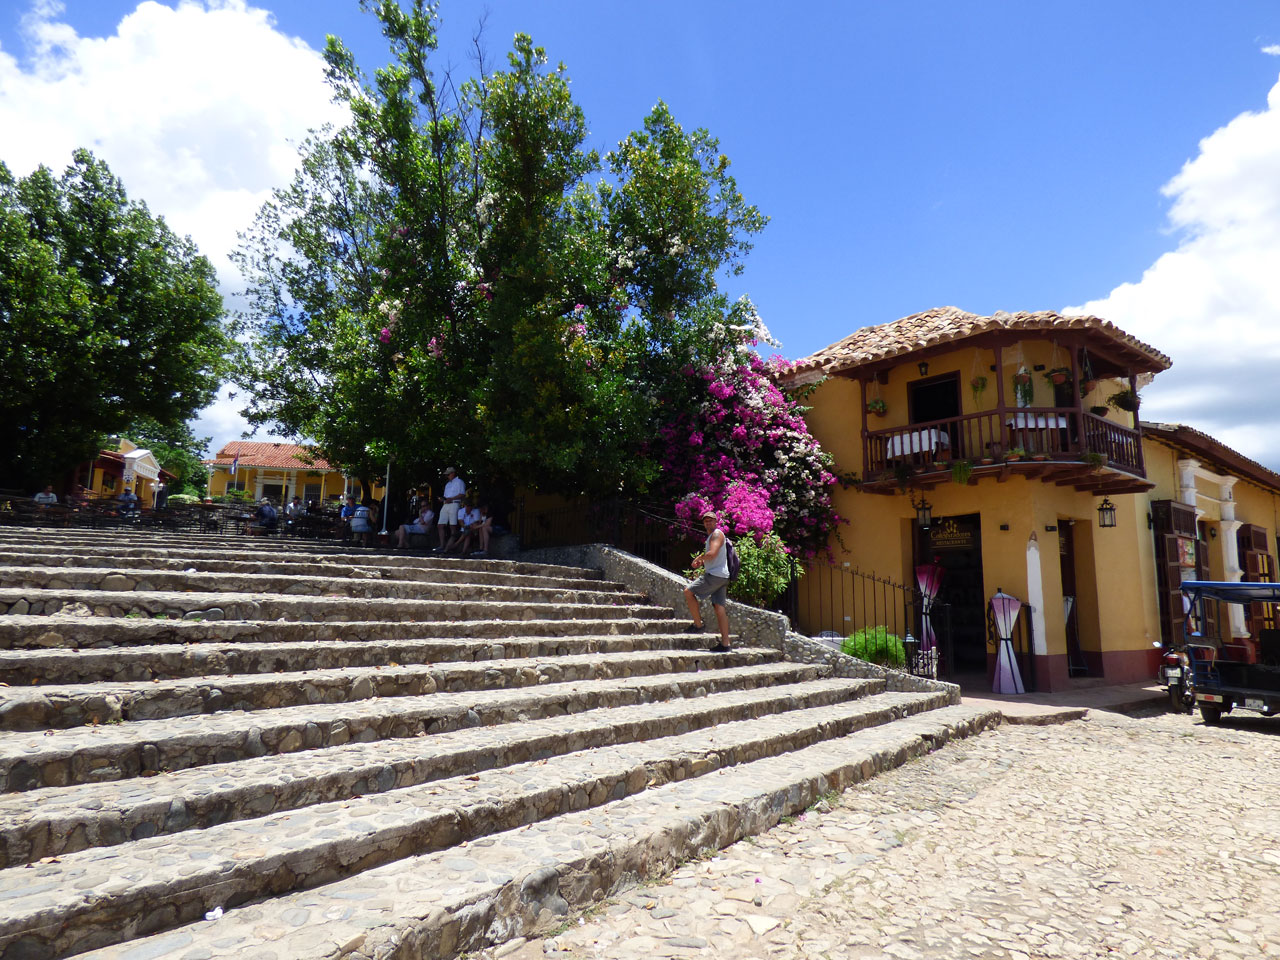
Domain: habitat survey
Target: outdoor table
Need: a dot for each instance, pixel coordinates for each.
(929, 440)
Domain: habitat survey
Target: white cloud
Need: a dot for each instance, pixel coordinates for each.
(1213, 303)
(195, 107)
(1272, 50)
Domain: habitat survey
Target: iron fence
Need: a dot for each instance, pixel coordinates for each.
(871, 617)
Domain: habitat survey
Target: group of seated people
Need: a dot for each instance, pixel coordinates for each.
(461, 525)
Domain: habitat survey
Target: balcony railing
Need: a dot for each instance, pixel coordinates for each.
(994, 436)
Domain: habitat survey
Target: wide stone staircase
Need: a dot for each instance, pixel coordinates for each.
(215, 747)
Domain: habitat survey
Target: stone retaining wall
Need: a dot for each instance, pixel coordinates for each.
(756, 627)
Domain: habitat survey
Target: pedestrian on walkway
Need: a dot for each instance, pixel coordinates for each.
(714, 561)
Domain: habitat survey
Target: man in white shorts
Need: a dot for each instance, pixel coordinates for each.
(454, 492)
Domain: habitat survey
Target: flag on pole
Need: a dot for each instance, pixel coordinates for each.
(235, 462)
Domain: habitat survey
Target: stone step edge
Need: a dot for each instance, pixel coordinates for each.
(61, 707)
(213, 605)
(294, 850)
(50, 821)
(124, 751)
(525, 881)
(373, 558)
(263, 586)
(148, 569)
(40, 632)
(171, 661)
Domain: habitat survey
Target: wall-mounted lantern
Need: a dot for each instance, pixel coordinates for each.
(923, 367)
(924, 512)
(1106, 513)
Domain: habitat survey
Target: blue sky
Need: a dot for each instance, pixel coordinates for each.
(990, 155)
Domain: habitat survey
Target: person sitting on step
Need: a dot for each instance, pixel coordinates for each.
(422, 525)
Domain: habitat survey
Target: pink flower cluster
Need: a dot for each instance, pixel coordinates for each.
(742, 448)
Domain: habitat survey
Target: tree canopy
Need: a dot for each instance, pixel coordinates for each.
(457, 277)
(105, 316)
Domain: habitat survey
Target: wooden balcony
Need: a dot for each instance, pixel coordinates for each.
(1062, 445)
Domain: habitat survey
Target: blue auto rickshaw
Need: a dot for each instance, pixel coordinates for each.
(1232, 673)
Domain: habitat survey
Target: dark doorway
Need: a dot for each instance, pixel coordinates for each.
(955, 544)
(937, 398)
(273, 490)
(1077, 665)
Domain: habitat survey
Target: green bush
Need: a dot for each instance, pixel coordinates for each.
(764, 572)
(876, 645)
(182, 499)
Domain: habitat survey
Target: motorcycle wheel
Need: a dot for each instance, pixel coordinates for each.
(1176, 703)
(1210, 713)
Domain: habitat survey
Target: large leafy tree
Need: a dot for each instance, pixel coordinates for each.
(457, 277)
(105, 316)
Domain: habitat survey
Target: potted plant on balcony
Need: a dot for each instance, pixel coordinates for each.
(1017, 453)
(1058, 375)
(877, 406)
(978, 386)
(1023, 388)
(961, 470)
(1093, 459)
(1125, 400)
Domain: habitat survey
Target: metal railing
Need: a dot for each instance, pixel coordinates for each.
(871, 617)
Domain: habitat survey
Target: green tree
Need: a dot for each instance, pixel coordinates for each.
(105, 316)
(519, 296)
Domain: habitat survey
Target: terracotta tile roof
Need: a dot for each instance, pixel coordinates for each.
(1204, 447)
(277, 456)
(943, 325)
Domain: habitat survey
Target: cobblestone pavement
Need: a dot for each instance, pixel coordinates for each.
(1150, 837)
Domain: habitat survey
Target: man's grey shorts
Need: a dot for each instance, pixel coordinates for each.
(709, 585)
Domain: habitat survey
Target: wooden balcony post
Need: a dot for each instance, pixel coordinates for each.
(1137, 428)
(866, 450)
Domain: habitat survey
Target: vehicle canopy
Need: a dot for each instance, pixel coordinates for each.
(1231, 592)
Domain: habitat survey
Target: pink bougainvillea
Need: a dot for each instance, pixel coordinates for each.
(742, 448)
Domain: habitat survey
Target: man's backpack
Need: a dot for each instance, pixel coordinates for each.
(732, 559)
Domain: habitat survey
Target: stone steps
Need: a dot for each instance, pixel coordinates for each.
(63, 632)
(31, 823)
(54, 706)
(355, 584)
(360, 753)
(469, 894)
(142, 747)
(268, 606)
(24, 667)
(428, 570)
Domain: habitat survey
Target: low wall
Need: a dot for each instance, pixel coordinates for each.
(762, 628)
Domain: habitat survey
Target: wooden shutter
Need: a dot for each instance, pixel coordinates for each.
(1171, 521)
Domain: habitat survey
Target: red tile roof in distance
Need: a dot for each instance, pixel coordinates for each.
(276, 456)
(943, 325)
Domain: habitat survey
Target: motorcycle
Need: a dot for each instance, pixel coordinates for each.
(1175, 673)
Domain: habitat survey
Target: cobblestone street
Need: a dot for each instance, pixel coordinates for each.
(1149, 837)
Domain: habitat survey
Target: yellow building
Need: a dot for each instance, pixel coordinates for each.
(127, 465)
(1014, 430)
(279, 471)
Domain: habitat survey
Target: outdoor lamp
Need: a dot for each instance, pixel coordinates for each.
(1106, 513)
(924, 512)
(923, 367)
(1004, 610)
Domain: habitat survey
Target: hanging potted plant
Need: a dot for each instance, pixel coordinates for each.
(961, 470)
(1023, 388)
(1125, 400)
(1100, 411)
(1087, 387)
(978, 386)
(877, 406)
(1058, 375)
